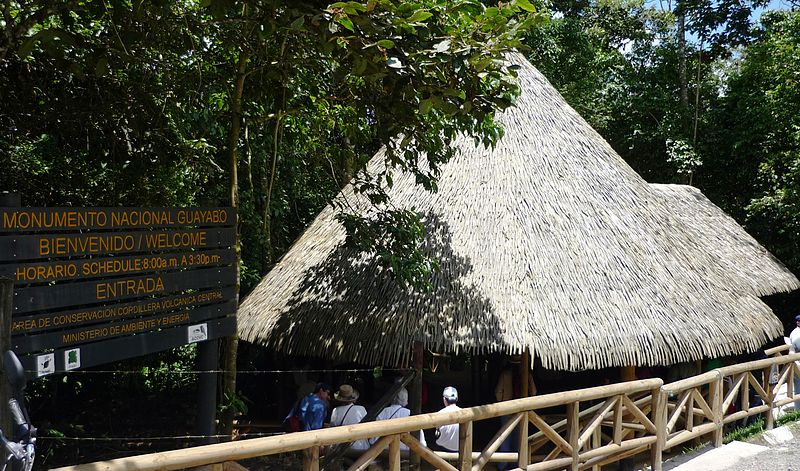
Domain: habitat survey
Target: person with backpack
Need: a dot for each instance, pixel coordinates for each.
(349, 413)
(310, 412)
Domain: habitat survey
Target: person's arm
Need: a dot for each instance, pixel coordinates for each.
(532, 391)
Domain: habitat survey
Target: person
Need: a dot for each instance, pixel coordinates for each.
(508, 388)
(349, 413)
(447, 435)
(396, 410)
(794, 347)
(314, 407)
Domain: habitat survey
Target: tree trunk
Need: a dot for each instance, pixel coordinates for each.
(232, 342)
(682, 58)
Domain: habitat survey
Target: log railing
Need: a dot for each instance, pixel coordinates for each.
(704, 404)
(593, 426)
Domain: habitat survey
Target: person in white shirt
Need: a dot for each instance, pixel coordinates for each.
(447, 435)
(794, 347)
(349, 413)
(396, 410)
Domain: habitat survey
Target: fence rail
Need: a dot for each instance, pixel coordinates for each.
(602, 425)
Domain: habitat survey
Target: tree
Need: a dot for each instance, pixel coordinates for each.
(153, 103)
(756, 152)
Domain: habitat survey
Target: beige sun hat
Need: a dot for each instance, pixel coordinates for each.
(346, 393)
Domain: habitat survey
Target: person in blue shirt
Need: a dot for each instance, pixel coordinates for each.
(314, 407)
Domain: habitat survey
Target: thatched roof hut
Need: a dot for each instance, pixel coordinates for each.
(549, 242)
(727, 240)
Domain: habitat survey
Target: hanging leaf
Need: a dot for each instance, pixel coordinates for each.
(420, 16)
(345, 21)
(526, 5)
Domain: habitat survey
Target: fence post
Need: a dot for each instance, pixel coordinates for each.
(770, 399)
(660, 421)
(524, 457)
(394, 454)
(311, 459)
(716, 407)
(574, 427)
(415, 396)
(465, 446)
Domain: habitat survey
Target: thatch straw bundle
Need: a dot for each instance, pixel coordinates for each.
(726, 239)
(549, 242)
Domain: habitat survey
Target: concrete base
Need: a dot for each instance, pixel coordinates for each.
(716, 459)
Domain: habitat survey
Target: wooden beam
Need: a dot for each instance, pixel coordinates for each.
(496, 441)
(417, 354)
(426, 453)
(465, 446)
(366, 458)
(525, 371)
(524, 457)
(311, 459)
(574, 428)
(394, 453)
(554, 437)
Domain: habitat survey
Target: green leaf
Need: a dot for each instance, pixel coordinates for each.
(345, 21)
(419, 16)
(298, 23)
(526, 5)
(26, 47)
(425, 106)
(386, 43)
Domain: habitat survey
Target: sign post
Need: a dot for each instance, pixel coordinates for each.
(6, 305)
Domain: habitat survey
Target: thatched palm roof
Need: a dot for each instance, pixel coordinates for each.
(549, 242)
(728, 241)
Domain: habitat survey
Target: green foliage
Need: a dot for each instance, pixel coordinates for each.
(233, 402)
(745, 432)
(168, 375)
(754, 153)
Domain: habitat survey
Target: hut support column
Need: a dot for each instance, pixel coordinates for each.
(628, 373)
(416, 397)
(524, 373)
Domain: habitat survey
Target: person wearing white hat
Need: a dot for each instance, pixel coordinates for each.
(447, 435)
(396, 410)
(349, 413)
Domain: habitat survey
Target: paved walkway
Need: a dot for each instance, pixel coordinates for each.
(776, 450)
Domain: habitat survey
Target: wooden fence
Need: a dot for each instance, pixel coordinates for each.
(599, 425)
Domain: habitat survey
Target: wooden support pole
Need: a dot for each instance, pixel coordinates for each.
(574, 427)
(628, 373)
(595, 444)
(7, 200)
(207, 363)
(766, 375)
(394, 454)
(524, 457)
(659, 415)
(465, 446)
(716, 394)
(524, 373)
(416, 396)
(311, 459)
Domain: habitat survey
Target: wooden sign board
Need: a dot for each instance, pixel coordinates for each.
(96, 285)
